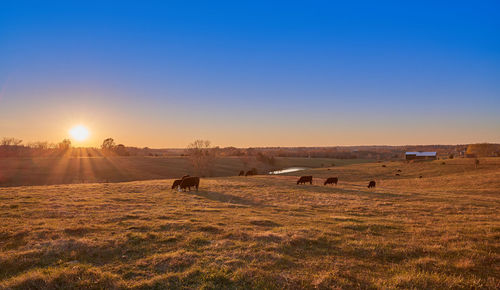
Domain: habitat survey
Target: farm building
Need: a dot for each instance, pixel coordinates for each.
(421, 155)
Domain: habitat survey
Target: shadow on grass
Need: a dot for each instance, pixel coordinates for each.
(223, 197)
(372, 193)
(362, 191)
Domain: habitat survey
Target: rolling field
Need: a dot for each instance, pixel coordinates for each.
(438, 231)
(18, 171)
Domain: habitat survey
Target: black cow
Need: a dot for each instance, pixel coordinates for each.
(177, 182)
(397, 174)
(242, 172)
(189, 182)
(399, 170)
(371, 184)
(331, 180)
(251, 172)
(304, 179)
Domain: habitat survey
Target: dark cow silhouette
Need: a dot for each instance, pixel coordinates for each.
(383, 165)
(331, 180)
(420, 176)
(177, 182)
(242, 172)
(397, 174)
(399, 170)
(371, 184)
(304, 179)
(251, 172)
(189, 182)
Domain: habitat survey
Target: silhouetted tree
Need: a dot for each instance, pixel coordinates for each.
(11, 147)
(482, 149)
(266, 159)
(121, 150)
(108, 144)
(10, 141)
(64, 145)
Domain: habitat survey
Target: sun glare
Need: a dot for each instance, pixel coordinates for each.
(79, 133)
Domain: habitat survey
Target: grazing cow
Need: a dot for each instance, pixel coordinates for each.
(371, 184)
(251, 172)
(383, 165)
(304, 179)
(399, 170)
(177, 182)
(331, 180)
(397, 174)
(189, 182)
(242, 172)
(420, 176)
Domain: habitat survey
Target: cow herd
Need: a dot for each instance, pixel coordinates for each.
(329, 180)
(186, 182)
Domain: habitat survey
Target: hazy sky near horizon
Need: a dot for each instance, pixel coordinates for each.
(251, 73)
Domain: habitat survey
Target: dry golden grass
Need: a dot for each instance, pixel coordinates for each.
(439, 231)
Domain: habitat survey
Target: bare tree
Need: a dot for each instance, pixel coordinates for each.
(10, 141)
(10, 146)
(202, 156)
(39, 145)
(245, 160)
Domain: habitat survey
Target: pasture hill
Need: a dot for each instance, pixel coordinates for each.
(439, 231)
(16, 171)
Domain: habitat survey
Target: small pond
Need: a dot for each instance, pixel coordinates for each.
(287, 170)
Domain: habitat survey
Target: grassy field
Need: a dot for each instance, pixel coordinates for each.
(438, 231)
(65, 170)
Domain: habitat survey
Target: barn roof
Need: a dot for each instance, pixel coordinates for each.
(420, 153)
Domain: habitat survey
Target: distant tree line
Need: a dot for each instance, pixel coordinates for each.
(483, 150)
(201, 153)
(109, 147)
(13, 147)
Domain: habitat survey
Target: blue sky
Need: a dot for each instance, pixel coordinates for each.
(250, 73)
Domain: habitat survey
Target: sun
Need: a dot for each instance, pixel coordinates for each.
(79, 133)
